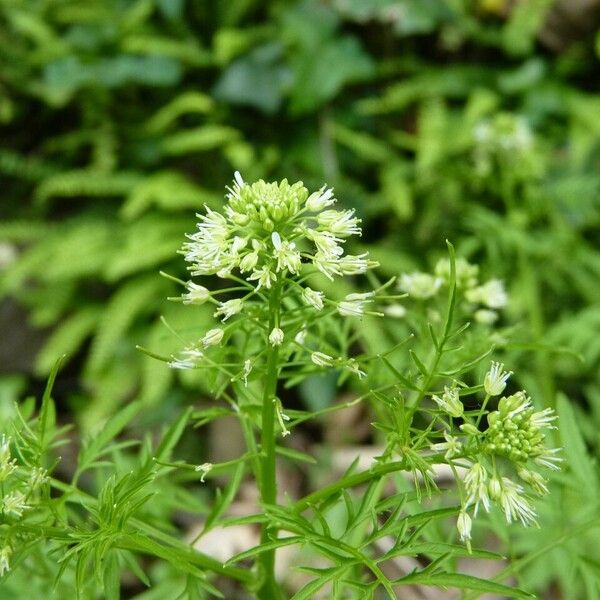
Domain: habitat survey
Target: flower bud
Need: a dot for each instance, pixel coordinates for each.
(313, 298)
(495, 379)
(319, 200)
(212, 338)
(197, 294)
(276, 337)
(321, 359)
(469, 429)
(463, 524)
(450, 402)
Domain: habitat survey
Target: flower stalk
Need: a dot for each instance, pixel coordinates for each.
(269, 589)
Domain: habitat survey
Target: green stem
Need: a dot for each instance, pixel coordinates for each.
(482, 410)
(440, 346)
(269, 590)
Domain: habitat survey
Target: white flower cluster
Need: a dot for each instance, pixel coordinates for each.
(483, 300)
(513, 439)
(268, 237)
(419, 285)
(505, 139)
(270, 229)
(18, 492)
(506, 133)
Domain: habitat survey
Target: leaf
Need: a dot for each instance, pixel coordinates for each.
(295, 455)
(258, 79)
(423, 16)
(168, 190)
(86, 182)
(308, 591)
(265, 547)
(452, 294)
(468, 582)
(574, 447)
(365, 146)
(78, 249)
(526, 19)
(186, 50)
(179, 559)
(47, 419)
(127, 303)
(149, 242)
(65, 75)
(222, 502)
(112, 576)
(111, 429)
(199, 139)
(364, 10)
(172, 436)
(67, 338)
(418, 363)
(401, 378)
(207, 415)
(131, 561)
(340, 61)
(185, 103)
(456, 81)
(396, 190)
(439, 548)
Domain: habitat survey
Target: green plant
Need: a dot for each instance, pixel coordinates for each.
(118, 118)
(271, 241)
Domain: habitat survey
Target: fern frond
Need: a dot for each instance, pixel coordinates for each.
(67, 338)
(168, 190)
(86, 182)
(186, 103)
(24, 167)
(134, 299)
(187, 51)
(199, 139)
(23, 231)
(149, 242)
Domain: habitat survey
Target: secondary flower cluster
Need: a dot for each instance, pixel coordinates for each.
(19, 487)
(505, 140)
(483, 300)
(514, 443)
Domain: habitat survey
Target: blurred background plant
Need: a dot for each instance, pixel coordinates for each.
(472, 120)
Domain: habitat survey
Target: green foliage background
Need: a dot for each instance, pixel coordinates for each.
(120, 118)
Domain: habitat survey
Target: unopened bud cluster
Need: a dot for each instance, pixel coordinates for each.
(503, 456)
(515, 429)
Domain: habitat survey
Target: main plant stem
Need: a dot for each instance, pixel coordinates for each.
(269, 589)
